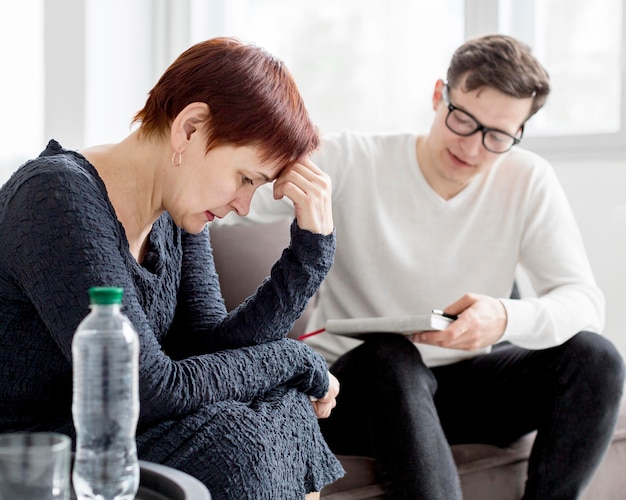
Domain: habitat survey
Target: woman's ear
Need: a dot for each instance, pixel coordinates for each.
(187, 123)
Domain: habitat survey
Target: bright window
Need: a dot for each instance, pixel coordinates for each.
(580, 43)
(369, 65)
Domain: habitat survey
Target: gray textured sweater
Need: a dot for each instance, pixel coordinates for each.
(224, 396)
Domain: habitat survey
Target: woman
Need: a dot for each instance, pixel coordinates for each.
(225, 397)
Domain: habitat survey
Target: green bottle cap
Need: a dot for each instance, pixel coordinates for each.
(106, 295)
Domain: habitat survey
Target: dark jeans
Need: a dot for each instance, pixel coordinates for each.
(394, 408)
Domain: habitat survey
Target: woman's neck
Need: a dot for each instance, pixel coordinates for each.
(130, 171)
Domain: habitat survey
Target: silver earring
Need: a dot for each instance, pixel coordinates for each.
(180, 159)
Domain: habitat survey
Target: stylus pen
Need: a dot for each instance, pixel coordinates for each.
(439, 312)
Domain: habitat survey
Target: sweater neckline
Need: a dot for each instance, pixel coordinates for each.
(152, 264)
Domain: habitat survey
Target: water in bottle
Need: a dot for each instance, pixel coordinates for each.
(105, 403)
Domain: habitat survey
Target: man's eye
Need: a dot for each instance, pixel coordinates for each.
(498, 138)
(464, 120)
(247, 180)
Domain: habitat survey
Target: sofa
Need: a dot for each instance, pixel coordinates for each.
(244, 255)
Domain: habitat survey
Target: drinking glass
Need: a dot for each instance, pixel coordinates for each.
(35, 466)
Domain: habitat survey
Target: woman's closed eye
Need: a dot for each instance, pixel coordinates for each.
(247, 180)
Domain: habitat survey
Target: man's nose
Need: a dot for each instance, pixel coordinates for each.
(472, 144)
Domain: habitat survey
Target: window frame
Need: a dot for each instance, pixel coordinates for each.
(481, 17)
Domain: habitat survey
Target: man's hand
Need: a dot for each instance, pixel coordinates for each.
(309, 188)
(481, 323)
(323, 406)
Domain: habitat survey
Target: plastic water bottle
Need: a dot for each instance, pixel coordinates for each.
(105, 403)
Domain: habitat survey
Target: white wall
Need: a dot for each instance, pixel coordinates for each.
(596, 190)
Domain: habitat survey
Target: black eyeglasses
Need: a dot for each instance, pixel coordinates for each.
(462, 123)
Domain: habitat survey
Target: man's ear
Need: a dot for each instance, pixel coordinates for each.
(438, 93)
(187, 123)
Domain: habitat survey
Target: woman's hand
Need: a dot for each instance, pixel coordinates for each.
(309, 188)
(323, 406)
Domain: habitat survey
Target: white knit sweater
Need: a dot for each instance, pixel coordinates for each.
(402, 249)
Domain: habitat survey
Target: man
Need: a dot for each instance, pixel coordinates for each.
(443, 220)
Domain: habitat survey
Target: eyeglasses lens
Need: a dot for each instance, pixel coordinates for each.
(463, 124)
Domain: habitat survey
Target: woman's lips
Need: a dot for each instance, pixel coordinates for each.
(209, 216)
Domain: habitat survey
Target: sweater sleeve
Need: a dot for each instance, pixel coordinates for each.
(269, 314)
(65, 238)
(553, 255)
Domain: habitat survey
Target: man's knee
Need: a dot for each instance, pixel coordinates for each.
(384, 350)
(598, 358)
(387, 361)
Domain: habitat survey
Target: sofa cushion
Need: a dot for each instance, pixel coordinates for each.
(490, 472)
(244, 255)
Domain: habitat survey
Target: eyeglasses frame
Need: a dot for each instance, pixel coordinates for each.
(445, 93)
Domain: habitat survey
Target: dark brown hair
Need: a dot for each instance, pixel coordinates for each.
(503, 63)
(252, 99)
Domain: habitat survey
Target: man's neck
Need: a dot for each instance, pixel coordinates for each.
(427, 164)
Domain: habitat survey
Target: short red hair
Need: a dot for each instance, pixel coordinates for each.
(252, 99)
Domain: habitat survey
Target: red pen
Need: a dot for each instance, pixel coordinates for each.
(310, 334)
